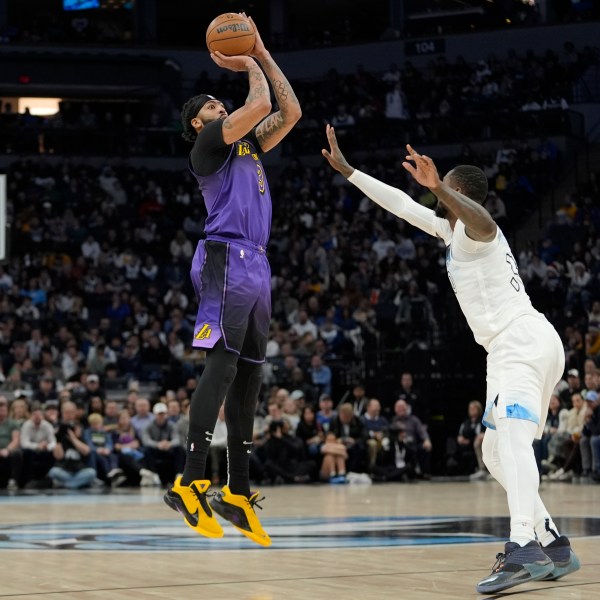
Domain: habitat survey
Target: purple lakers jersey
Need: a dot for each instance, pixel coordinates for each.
(237, 197)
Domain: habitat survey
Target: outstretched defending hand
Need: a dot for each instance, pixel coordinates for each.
(424, 171)
(335, 157)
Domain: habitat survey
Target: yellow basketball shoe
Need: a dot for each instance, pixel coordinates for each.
(190, 502)
(239, 511)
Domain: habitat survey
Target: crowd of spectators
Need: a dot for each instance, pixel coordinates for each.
(519, 95)
(438, 103)
(97, 293)
(75, 436)
(569, 450)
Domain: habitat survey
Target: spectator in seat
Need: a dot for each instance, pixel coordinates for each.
(417, 402)
(310, 432)
(564, 449)
(100, 441)
(142, 417)
(37, 443)
(417, 437)
(72, 455)
(359, 399)
(589, 443)
(573, 386)
(350, 431)
(396, 460)
(164, 452)
(335, 455)
(556, 413)
(284, 456)
(46, 390)
(326, 415)
(19, 410)
(111, 415)
(130, 455)
(468, 452)
(320, 374)
(11, 458)
(377, 428)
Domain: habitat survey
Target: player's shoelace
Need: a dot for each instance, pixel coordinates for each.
(500, 560)
(254, 503)
(202, 500)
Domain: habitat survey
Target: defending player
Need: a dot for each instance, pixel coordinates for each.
(232, 280)
(525, 354)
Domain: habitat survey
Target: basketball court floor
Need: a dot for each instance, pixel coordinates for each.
(429, 540)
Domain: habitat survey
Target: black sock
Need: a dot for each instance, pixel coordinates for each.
(197, 446)
(238, 465)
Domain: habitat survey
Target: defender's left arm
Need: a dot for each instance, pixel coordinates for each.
(275, 127)
(479, 224)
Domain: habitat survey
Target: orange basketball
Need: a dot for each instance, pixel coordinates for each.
(230, 34)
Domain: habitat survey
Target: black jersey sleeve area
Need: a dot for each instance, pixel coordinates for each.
(209, 151)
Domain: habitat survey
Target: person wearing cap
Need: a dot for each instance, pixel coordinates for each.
(573, 387)
(162, 444)
(325, 414)
(92, 388)
(232, 327)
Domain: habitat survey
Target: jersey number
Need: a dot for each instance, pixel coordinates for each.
(515, 280)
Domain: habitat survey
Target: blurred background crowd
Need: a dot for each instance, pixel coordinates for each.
(371, 371)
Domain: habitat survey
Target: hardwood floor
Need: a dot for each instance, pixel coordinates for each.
(414, 541)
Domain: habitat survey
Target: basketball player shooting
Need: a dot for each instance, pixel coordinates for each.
(232, 280)
(525, 354)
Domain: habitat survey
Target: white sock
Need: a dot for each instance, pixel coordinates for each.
(521, 530)
(546, 530)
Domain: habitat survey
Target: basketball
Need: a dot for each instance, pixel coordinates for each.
(231, 34)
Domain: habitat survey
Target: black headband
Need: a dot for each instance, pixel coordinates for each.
(202, 100)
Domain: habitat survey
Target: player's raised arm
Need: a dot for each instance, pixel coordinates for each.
(479, 224)
(276, 126)
(258, 101)
(390, 198)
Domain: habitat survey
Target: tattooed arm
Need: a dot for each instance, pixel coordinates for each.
(258, 102)
(276, 126)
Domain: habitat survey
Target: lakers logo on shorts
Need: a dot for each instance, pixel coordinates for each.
(204, 332)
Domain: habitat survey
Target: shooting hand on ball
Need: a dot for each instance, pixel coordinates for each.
(233, 63)
(259, 51)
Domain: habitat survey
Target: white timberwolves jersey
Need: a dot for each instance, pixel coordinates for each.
(485, 279)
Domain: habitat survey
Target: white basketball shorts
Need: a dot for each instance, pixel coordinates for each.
(524, 364)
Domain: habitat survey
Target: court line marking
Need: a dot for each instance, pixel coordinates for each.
(283, 579)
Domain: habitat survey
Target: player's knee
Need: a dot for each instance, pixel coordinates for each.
(253, 377)
(229, 374)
